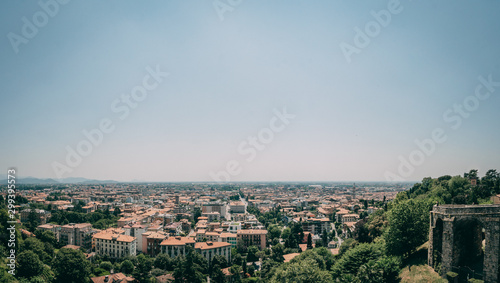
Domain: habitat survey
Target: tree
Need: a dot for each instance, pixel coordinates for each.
(29, 264)
(196, 214)
(35, 245)
(252, 254)
(408, 227)
(163, 261)
(353, 259)
(46, 237)
(33, 220)
(117, 211)
(106, 265)
(347, 245)
(240, 246)
(323, 257)
(70, 263)
(127, 267)
(302, 271)
(309, 241)
(274, 231)
(324, 238)
(144, 266)
(187, 270)
(286, 233)
(277, 253)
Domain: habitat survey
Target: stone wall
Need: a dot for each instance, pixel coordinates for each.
(458, 240)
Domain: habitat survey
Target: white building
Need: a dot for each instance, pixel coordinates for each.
(136, 231)
(210, 249)
(114, 245)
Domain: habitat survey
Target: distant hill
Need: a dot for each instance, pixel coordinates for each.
(71, 180)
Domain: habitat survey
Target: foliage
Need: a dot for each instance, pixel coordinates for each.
(163, 261)
(127, 267)
(106, 265)
(347, 245)
(252, 254)
(144, 266)
(408, 227)
(322, 256)
(277, 253)
(29, 265)
(188, 268)
(354, 258)
(301, 271)
(70, 263)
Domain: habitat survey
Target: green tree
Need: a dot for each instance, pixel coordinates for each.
(408, 227)
(323, 257)
(302, 271)
(188, 268)
(117, 211)
(144, 266)
(127, 267)
(29, 264)
(106, 265)
(277, 253)
(33, 220)
(35, 245)
(163, 261)
(324, 238)
(274, 231)
(309, 241)
(70, 263)
(353, 259)
(252, 254)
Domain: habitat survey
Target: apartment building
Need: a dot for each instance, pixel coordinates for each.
(54, 228)
(237, 207)
(114, 245)
(316, 226)
(136, 231)
(349, 218)
(79, 234)
(214, 207)
(174, 246)
(41, 215)
(253, 237)
(210, 249)
(229, 238)
(211, 216)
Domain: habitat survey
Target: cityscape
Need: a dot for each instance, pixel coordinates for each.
(234, 141)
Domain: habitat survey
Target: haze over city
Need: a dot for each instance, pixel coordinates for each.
(219, 84)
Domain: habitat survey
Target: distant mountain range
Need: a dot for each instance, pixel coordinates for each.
(37, 181)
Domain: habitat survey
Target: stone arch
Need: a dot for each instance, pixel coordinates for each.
(468, 245)
(465, 239)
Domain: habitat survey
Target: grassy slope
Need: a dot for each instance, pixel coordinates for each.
(417, 270)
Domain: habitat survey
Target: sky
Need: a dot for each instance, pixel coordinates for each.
(238, 90)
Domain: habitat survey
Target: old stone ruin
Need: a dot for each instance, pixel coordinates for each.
(465, 239)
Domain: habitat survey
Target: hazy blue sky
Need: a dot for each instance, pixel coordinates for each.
(230, 70)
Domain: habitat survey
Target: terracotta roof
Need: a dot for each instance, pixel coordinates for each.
(211, 245)
(289, 257)
(248, 232)
(115, 278)
(177, 241)
(115, 237)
